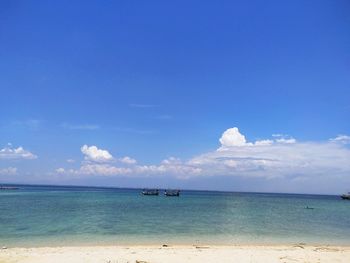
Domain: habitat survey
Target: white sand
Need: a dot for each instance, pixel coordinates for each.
(177, 254)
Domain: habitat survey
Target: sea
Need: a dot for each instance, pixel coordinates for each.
(68, 215)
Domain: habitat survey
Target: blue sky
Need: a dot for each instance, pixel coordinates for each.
(159, 80)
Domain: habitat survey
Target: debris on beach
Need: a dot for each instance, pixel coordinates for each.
(199, 247)
(300, 245)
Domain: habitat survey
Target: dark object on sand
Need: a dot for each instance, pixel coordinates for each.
(150, 192)
(172, 192)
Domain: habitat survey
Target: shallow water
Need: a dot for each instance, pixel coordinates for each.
(50, 216)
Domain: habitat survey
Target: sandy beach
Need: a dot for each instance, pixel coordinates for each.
(176, 254)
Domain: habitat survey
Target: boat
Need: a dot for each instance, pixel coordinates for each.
(172, 192)
(8, 187)
(346, 196)
(308, 207)
(150, 192)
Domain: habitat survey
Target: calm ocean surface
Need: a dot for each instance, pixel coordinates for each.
(47, 215)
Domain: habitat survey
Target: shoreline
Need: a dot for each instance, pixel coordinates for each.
(171, 242)
(170, 246)
(177, 253)
(175, 245)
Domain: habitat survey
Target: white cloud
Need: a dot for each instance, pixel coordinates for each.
(344, 139)
(278, 160)
(171, 166)
(70, 161)
(92, 153)
(232, 137)
(102, 169)
(282, 157)
(279, 135)
(60, 170)
(16, 153)
(8, 171)
(283, 138)
(127, 160)
(286, 140)
(177, 169)
(263, 142)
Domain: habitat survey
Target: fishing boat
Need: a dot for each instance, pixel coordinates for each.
(346, 196)
(8, 187)
(172, 192)
(150, 192)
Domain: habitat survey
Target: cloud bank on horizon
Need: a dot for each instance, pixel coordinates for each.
(278, 157)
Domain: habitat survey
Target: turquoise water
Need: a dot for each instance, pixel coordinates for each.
(38, 216)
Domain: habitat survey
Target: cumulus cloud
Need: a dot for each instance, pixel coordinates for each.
(16, 153)
(102, 169)
(278, 157)
(283, 138)
(286, 140)
(232, 137)
(60, 170)
(127, 160)
(8, 171)
(98, 169)
(263, 142)
(92, 153)
(96, 162)
(277, 160)
(344, 139)
(169, 167)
